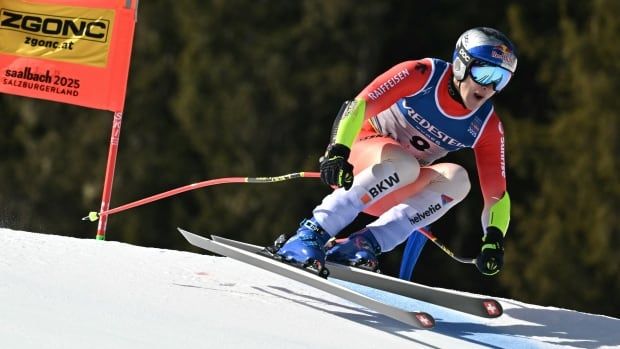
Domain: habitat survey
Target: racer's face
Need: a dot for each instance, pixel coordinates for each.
(474, 94)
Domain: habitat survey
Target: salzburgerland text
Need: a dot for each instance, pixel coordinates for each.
(41, 87)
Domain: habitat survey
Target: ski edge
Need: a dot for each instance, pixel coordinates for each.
(419, 320)
(473, 305)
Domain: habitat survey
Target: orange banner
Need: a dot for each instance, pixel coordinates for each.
(70, 51)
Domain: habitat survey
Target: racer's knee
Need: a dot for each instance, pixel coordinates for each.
(452, 179)
(395, 170)
(404, 163)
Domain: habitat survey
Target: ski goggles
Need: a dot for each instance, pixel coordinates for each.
(490, 74)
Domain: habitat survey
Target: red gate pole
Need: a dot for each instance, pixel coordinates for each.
(109, 174)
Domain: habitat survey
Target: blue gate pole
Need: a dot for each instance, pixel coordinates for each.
(414, 246)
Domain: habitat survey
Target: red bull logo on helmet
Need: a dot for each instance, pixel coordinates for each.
(504, 53)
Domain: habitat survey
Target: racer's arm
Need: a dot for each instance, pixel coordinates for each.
(401, 80)
(491, 165)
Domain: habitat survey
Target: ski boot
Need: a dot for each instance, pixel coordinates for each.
(359, 250)
(306, 249)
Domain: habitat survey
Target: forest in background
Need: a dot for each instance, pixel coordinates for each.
(250, 88)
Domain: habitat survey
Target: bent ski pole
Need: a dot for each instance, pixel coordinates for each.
(93, 216)
(437, 242)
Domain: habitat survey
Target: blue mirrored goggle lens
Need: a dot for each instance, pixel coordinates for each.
(486, 75)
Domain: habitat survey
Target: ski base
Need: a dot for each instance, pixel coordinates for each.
(419, 320)
(483, 307)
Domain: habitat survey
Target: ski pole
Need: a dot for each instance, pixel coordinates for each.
(94, 216)
(437, 242)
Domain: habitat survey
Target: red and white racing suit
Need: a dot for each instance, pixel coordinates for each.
(397, 127)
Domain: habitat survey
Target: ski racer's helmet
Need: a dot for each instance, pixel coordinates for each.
(487, 54)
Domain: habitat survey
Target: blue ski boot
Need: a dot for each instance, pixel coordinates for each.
(307, 247)
(360, 250)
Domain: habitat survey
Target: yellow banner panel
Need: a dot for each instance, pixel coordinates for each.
(69, 34)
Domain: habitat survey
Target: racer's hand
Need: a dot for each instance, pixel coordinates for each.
(335, 168)
(491, 257)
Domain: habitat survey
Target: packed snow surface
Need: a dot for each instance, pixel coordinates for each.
(61, 292)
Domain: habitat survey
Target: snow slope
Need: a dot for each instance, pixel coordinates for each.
(60, 292)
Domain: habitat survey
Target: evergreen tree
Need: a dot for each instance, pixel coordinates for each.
(567, 228)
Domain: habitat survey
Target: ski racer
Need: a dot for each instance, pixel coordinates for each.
(384, 144)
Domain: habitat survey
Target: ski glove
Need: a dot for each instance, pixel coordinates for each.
(335, 167)
(491, 257)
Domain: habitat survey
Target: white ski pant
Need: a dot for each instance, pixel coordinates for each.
(395, 188)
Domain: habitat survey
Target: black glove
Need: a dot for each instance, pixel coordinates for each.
(335, 169)
(491, 258)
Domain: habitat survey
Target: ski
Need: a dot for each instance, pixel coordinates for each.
(484, 307)
(419, 320)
